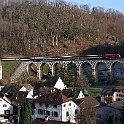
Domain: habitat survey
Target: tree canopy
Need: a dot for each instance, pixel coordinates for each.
(46, 27)
(25, 113)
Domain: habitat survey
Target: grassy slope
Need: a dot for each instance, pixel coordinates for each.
(9, 67)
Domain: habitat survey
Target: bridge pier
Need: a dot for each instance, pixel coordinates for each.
(0, 70)
(52, 68)
(79, 66)
(39, 71)
(79, 69)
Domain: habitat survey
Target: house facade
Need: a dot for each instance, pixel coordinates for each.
(63, 110)
(6, 108)
(110, 95)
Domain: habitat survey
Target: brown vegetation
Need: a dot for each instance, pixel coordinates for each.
(57, 28)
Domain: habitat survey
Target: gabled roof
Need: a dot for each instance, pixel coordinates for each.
(18, 97)
(5, 98)
(8, 86)
(54, 98)
(107, 91)
(78, 101)
(60, 84)
(116, 104)
(70, 93)
(89, 102)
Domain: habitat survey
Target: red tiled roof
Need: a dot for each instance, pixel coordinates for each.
(54, 98)
(78, 101)
(18, 97)
(89, 102)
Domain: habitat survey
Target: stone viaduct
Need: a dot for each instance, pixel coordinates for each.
(80, 64)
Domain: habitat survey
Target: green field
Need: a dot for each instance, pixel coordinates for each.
(94, 91)
(9, 67)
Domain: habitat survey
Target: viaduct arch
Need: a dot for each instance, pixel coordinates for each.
(98, 70)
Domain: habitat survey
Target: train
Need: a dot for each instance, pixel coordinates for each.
(68, 58)
(104, 56)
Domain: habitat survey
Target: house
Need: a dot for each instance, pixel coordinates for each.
(110, 94)
(110, 113)
(18, 97)
(74, 93)
(10, 89)
(118, 93)
(87, 107)
(55, 106)
(17, 100)
(6, 107)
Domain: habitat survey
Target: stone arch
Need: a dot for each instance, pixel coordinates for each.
(45, 70)
(101, 72)
(57, 66)
(86, 69)
(117, 70)
(72, 67)
(32, 69)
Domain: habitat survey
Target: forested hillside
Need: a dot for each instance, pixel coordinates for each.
(57, 28)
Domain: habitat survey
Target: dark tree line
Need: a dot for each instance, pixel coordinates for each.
(37, 28)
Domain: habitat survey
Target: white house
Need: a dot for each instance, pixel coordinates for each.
(56, 106)
(118, 93)
(6, 108)
(60, 85)
(110, 95)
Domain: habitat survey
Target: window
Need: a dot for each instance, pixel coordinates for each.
(116, 94)
(76, 111)
(69, 104)
(48, 113)
(120, 95)
(64, 105)
(7, 112)
(55, 106)
(118, 99)
(67, 114)
(4, 105)
(40, 111)
(40, 104)
(55, 114)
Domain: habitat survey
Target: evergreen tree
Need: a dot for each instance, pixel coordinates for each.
(25, 113)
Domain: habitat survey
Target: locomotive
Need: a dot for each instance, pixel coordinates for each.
(104, 56)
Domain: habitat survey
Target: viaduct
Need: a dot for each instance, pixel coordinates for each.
(80, 64)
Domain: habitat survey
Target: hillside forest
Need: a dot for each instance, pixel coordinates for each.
(59, 28)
